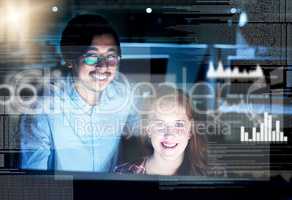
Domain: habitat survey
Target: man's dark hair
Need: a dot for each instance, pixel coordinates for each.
(79, 32)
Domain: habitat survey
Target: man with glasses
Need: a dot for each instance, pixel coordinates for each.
(86, 113)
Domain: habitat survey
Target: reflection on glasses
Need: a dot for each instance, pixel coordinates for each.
(98, 61)
(161, 127)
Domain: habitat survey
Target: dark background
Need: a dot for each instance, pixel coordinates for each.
(31, 42)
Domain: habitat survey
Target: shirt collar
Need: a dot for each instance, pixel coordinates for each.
(74, 95)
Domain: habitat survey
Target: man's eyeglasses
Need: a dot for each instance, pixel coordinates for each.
(98, 61)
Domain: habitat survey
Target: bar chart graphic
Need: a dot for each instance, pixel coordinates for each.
(266, 132)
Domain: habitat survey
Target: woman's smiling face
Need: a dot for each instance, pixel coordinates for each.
(169, 130)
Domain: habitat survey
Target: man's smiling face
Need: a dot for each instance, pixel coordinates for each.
(97, 66)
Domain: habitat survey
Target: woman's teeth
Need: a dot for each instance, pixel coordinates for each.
(99, 77)
(168, 145)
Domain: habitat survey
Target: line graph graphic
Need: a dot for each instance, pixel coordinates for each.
(221, 73)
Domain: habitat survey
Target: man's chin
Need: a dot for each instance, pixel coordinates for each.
(100, 87)
(97, 89)
(96, 86)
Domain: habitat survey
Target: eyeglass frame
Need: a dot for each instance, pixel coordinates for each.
(104, 59)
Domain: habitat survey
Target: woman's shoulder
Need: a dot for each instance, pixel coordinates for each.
(136, 167)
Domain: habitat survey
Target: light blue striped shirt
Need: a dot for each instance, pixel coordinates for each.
(65, 133)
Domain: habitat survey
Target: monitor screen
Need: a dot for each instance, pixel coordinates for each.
(155, 94)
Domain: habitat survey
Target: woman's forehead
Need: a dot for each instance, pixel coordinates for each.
(168, 112)
(167, 105)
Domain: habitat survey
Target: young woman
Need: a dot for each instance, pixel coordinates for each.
(174, 148)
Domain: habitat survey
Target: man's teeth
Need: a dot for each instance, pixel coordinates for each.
(166, 145)
(99, 77)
